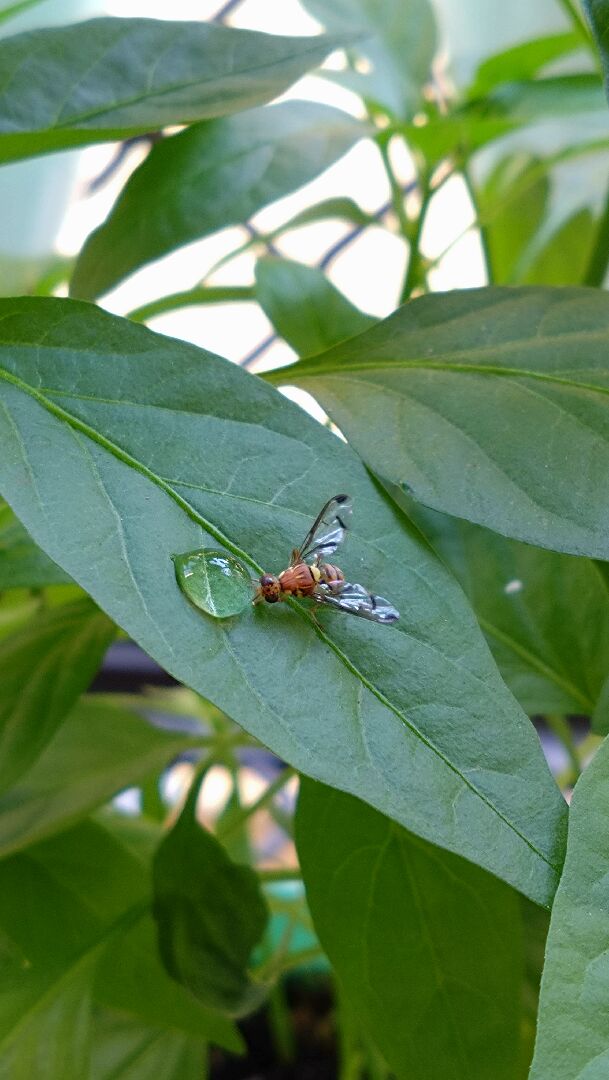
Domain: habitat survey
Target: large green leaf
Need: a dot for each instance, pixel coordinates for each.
(522, 61)
(399, 43)
(44, 668)
(210, 915)
(304, 307)
(99, 749)
(62, 903)
(109, 78)
(22, 564)
(124, 1049)
(564, 257)
(196, 452)
(426, 947)
(573, 1036)
(211, 175)
(545, 615)
(493, 407)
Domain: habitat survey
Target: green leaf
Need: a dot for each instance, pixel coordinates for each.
(91, 891)
(110, 78)
(564, 258)
(209, 176)
(44, 667)
(545, 615)
(598, 17)
(304, 307)
(213, 581)
(124, 1049)
(523, 61)
(9, 11)
(22, 564)
(98, 750)
(572, 1036)
(426, 946)
(210, 916)
(399, 45)
(492, 407)
(506, 108)
(514, 200)
(196, 452)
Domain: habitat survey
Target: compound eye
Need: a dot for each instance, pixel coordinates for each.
(267, 579)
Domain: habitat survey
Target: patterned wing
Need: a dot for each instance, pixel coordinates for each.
(356, 600)
(327, 532)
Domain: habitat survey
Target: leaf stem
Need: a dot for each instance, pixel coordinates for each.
(201, 294)
(562, 729)
(480, 223)
(577, 20)
(237, 821)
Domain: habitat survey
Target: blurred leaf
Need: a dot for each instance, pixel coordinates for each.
(44, 667)
(564, 258)
(572, 1035)
(523, 61)
(598, 17)
(210, 915)
(535, 923)
(22, 564)
(492, 407)
(209, 176)
(304, 307)
(342, 208)
(399, 45)
(198, 452)
(415, 934)
(98, 750)
(9, 11)
(102, 80)
(506, 108)
(514, 198)
(545, 615)
(124, 1049)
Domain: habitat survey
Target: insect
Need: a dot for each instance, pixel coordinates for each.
(309, 575)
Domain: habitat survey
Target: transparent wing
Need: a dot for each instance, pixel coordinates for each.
(327, 531)
(356, 600)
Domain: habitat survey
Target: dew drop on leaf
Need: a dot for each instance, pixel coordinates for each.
(213, 581)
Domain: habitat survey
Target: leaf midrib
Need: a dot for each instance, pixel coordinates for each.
(127, 459)
(303, 369)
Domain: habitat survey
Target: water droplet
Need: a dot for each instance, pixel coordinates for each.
(214, 581)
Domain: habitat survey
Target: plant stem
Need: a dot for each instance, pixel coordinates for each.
(202, 294)
(482, 229)
(576, 19)
(599, 259)
(561, 728)
(238, 820)
(397, 193)
(279, 873)
(281, 1024)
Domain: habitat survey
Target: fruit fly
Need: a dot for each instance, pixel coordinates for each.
(311, 576)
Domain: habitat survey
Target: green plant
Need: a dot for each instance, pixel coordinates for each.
(431, 836)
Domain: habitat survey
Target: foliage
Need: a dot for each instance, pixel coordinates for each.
(430, 832)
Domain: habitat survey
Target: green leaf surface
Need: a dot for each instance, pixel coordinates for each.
(564, 257)
(399, 44)
(22, 564)
(207, 177)
(44, 667)
(123, 1049)
(98, 750)
(195, 452)
(545, 615)
(572, 1036)
(213, 581)
(210, 915)
(304, 307)
(110, 78)
(493, 407)
(523, 61)
(513, 199)
(427, 947)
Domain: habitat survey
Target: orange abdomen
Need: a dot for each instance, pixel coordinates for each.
(298, 580)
